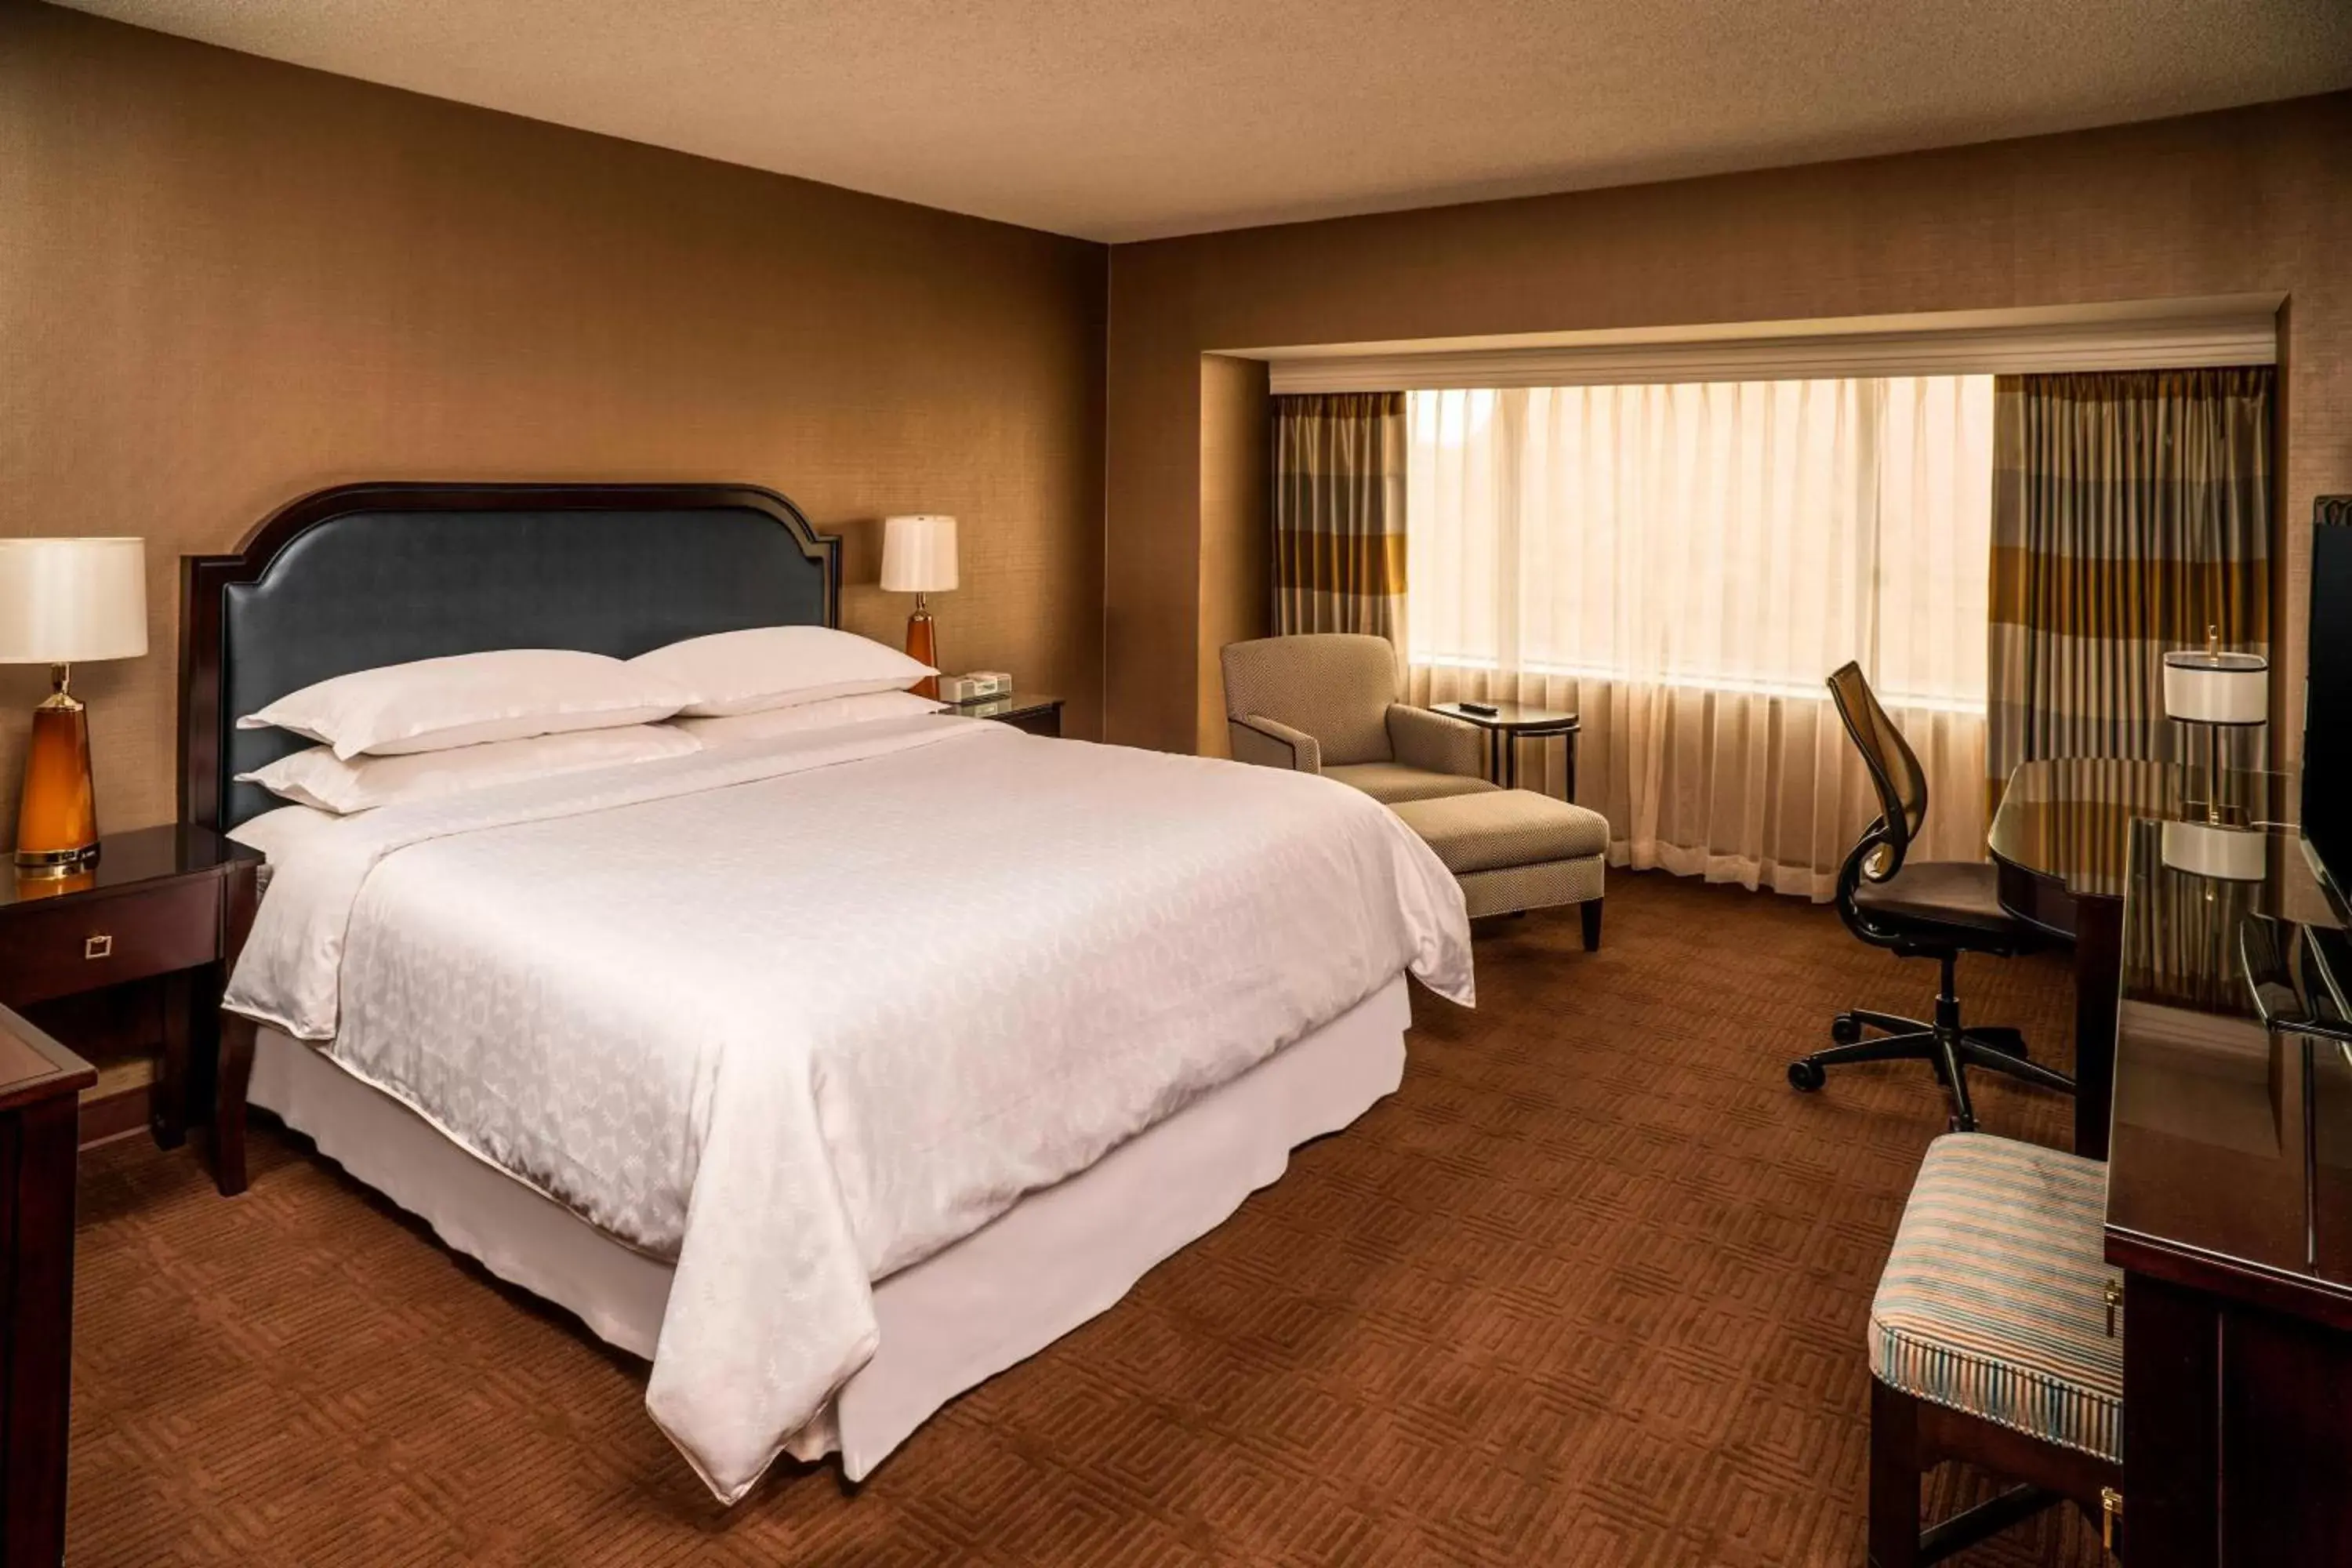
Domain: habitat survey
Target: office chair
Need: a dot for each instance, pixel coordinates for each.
(1937, 909)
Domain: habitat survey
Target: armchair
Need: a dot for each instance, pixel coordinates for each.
(1326, 703)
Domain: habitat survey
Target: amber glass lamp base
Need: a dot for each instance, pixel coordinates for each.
(57, 822)
(921, 645)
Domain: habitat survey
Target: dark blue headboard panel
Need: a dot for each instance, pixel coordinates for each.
(374, 575)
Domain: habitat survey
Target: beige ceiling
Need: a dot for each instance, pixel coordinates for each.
(1121, 120)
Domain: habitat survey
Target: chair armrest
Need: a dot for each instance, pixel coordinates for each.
(1271, 745)
(1422, 738)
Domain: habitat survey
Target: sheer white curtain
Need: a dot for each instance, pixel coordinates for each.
(1684, 566)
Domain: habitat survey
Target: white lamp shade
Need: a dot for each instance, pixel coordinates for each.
(2216, 849)
(919, 554)
(2217, 687)
(68, 601)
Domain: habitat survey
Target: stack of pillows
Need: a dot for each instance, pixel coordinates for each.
(438, 726)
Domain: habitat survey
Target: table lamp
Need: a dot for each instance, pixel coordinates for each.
(2218, 690)
(62, 602)
(919, 557)
(2215, 690)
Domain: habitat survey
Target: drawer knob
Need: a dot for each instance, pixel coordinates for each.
(100, 946)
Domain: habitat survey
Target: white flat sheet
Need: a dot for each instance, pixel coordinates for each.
(1056, 1258)
(801, 1014)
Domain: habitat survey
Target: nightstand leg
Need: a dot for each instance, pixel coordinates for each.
(234, 1071)
(167, 1099)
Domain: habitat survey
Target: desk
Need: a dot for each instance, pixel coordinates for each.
(2061, 841)
(39, 1082)
(2230, 1210)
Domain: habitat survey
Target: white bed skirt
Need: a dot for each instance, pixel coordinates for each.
(1059, 1257)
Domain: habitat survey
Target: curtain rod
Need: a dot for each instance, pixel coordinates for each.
(2240, 338)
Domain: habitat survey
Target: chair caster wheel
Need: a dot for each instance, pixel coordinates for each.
(1845, 1030)
(1806, 1076)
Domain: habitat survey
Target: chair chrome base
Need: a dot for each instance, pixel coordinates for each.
(1943, 1043)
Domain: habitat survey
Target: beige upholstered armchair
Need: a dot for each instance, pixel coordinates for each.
(1325, 703)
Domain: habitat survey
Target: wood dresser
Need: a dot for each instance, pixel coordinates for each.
(40, 1086)
(2229, 1209)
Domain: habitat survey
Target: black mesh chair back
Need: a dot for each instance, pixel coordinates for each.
(1894, 771)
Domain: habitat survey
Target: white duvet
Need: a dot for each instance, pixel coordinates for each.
(801, 1013)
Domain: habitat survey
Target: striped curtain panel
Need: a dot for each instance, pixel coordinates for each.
(1339, 513)
(2131, 510)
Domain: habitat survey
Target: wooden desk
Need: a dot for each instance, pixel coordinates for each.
(2061, 841)
(2230, 1210)
(40, 1082)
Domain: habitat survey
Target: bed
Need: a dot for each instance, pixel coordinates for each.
(833, 1074)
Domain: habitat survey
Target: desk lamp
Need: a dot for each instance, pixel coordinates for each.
(2218, 690)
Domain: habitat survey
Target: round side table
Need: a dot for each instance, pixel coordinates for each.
(1512, 722)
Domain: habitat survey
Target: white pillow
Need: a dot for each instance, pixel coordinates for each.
(279, 833)
(467, 698)
(858, 710)
(778, 666)
(317, 777)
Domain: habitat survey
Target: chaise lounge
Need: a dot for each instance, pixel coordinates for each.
(1325, 703)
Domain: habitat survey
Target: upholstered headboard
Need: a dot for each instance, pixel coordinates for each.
(372, 575)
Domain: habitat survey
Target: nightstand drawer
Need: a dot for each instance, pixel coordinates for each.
(86, 943)
(1043, 720)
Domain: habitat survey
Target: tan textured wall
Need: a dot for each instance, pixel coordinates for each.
(2250, 200)
(1236, 517)
(225, 282)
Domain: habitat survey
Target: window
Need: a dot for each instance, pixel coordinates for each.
(1732, 536)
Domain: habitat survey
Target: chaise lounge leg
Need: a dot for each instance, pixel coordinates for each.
(1893, 1477)
(1590, 910)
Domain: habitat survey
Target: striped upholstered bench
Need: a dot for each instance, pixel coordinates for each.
(1996, 1338)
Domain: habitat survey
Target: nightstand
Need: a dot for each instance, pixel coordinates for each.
(1037, 715)
(124, 960)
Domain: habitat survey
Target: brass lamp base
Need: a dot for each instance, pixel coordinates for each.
(57, 821)
(921, 645)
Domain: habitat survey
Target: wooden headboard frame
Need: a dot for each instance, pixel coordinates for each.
(207, 582)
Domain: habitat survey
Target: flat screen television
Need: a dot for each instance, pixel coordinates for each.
(2328, 701)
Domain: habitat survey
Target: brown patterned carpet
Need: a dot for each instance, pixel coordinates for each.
(1590, 1290)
